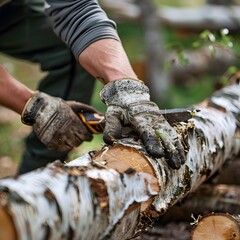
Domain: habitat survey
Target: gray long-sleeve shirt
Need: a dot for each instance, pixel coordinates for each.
(80, 22)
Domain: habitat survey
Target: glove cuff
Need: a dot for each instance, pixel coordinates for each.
(32, 107)
(124, 91)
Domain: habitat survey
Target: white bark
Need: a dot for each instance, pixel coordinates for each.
(60, 201)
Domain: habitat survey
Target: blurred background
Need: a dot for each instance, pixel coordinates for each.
(183, 49)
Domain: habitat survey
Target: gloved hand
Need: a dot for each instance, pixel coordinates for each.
(128, 102)
(55, 121)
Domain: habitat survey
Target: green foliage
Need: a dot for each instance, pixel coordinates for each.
(179, 49)
(213, 40)
(192, 92)
(132, 39)
(224, 79)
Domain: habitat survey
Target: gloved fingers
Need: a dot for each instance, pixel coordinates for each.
(175, 157)
(113, 128)
(144, 129)
(82, 136)
(174, 150)
(153, 146)
(71, 134)
(77, 132)
(181, 152)
(78, 107)
(159, 138)
(65, 141)
(59, 142)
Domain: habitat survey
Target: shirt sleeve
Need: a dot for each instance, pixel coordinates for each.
(79, 23)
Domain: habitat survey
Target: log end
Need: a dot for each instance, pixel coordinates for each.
(217, 226)
(123, 158)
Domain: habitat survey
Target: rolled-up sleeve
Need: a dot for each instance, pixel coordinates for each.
(80, 22)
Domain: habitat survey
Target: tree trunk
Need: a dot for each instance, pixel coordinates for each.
(104, 194)
(156, 77)
(217, 226)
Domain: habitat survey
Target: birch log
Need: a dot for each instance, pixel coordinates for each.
(102, 195)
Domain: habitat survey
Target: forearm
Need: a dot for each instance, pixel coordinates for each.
(107, 60)
(92, 36)
(13, 94)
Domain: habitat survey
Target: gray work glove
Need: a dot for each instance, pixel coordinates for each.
(128, 102)
(55, 121)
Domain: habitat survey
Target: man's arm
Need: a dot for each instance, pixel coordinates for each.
(85, 28)
(55, 122)
(106, 59)
(92, 36)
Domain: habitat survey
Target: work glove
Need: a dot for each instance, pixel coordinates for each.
(55, 121)
(128, 102)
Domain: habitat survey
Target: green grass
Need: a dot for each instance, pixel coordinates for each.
(11, 141)
(192, 93)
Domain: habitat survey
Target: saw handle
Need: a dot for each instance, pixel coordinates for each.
(95, 122)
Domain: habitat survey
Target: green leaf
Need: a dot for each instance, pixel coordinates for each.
(232, 70)
(224, 31)
(159, 134)
(182, 59)
(212, 50)
(196, 44)
(204, 34)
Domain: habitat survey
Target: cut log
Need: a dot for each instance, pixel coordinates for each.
(218, 226)
(102, 195)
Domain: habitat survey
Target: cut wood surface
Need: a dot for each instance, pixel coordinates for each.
(104, 194)
(217, 226)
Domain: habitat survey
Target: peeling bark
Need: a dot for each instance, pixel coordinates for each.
(103, 195)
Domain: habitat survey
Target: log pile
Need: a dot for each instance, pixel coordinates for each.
(107, 194)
